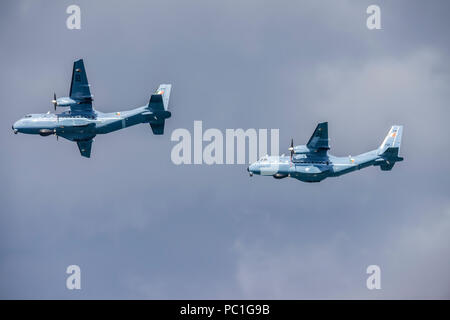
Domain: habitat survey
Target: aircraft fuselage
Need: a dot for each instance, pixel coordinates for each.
(84, 126)
(313, 163)
(313, 169)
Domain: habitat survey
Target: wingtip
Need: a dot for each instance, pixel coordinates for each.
(78, 62)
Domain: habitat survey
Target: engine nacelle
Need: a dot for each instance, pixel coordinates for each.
(45, 132)
(65, 102)
(280, 176)
(302, 149)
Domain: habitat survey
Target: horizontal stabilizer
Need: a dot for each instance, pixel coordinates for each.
(389, 149)
(158, 127)
(387, 166)
(160, 100)
(156, 102)
(391, 154)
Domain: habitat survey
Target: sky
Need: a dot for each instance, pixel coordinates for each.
(141, 227)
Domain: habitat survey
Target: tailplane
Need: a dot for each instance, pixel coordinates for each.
(160, 99)
(159, 105)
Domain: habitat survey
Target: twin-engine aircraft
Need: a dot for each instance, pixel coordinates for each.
(308, 163)
(312, 163)
(82, 122)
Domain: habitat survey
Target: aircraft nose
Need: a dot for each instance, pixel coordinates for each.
(252, 169)
(18, 126)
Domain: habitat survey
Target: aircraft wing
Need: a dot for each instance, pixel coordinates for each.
(85, 147)
(319, 139)
(79, 89)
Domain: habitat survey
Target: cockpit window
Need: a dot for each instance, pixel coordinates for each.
(263, 159)
(28, 116)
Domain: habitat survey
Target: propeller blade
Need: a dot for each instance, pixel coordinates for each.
(54, 100)
(291, 148)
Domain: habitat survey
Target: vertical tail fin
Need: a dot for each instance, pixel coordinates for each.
(390, 147)
(393, 140)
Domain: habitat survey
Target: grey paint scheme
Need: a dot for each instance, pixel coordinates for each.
(82, 123)
(312, 163)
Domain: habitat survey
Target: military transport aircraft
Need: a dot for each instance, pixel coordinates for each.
(312, 163)
(82, 122)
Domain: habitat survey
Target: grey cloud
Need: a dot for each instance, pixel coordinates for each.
(141, 227)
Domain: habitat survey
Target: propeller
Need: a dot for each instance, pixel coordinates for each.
(291, 148)
(54, 101)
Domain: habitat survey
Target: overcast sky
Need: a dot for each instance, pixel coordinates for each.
(141, 227)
